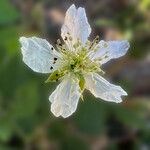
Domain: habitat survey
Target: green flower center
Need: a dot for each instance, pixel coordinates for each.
(75, 60)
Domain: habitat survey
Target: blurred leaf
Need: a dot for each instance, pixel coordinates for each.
(9, 39)
(25, 107)
(144, 5)
(90, 115)
(140, 46)
(7, 12)
(57, 130)
(5, 132)
(2, 147)
(73, 143)
(129, 117)
(104, 22)
(26, 100)
(16, 75)
(6, 127)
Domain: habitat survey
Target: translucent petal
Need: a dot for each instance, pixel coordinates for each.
(76, 24)
(38, 54)
(65, 98)
(101, 88)
(110, 50)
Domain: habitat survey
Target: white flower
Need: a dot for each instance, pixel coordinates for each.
(76, 63)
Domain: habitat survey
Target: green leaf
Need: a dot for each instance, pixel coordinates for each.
(6, 127)
(8, 14)
(90, 116)
(5, 131)
(9, 40)
(74, 143)
(26, 100)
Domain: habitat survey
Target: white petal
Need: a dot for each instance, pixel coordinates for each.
(101, 88)
(65, 98)
(38, 55)
(110, 50)
(76, 24)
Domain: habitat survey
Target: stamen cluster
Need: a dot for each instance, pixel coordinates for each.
(75, 58)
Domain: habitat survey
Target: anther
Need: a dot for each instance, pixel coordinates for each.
(51, 67)
(52, 48)
(55, 58)
(56, 75)
(65, 38)
(72, 66)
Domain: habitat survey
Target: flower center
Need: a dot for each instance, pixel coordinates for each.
(75, 59)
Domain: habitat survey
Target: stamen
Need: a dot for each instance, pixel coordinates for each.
(97, 38)
(87, 43)
(52, 48)
(55, 58)
(94, 45)
(72, 66)
(77, 58)
(68, 40)
(65, 38)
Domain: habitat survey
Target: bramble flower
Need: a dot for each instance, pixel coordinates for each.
(76, 63)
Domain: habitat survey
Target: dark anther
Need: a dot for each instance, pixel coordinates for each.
(54, 62)
(65, 38)
(55, 58)
(51, 67)
(52, 48)
(56, 75)
(72, 66)
(60, 44)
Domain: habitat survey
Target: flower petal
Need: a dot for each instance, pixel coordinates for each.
(101, 88)
(76, 24)
(110, 50)
(38, 54)
(65, 98)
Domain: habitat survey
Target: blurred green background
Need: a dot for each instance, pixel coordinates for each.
(26, 122)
